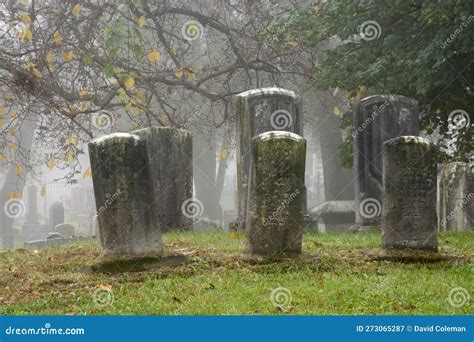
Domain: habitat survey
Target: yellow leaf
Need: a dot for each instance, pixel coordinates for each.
(18, 170)
(140, 96)
(76, 9)
(88, 173)
(70, 158)
(2, 122)
(153, 56)
(173, 51)
(223, 154)
(11, 195)
(51, 164)
(57, 38)
(72, 140)
(25, 18)
(191, 75)
(2, 157)
(37, 73)
(2, 110)
(234, 234)
(141, 21)
(68, 56)
(12, 131)
(135, 111)
(129, 83)
(294, 43)
(49, 57)
(12, 115)
(11, 146)
(42, 191)
(19, 194)
(179, 73)
(336, 111)
(128, 106)
(83, 92)
(26, 34)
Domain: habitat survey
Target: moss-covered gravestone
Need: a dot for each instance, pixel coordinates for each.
(409, 218)
(170, 154)
(456, 197)
(276, 197)
(377, 119)
(121, 178)
(258, 111)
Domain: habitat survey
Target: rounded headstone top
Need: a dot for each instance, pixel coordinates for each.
(411, 139)
(278, 135)
(390, 98)
(115, 136)
(181, 132)
(268, 91)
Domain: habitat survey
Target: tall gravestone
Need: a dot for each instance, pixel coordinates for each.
(56, 215)
(123, 193)
(258, 111)
(456, 197)
(170, 154)
(409, 219)
(377, 119)
(276, 197)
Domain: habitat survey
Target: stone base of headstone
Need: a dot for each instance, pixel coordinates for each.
(409, 218)
(113, 265)
(337, 216)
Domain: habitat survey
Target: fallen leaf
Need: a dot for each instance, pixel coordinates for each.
(76, 9)
(153, 56)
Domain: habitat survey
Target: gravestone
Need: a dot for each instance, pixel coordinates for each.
(258, 111)
(170, 154)
(276, 197)
(56, 215)
(456, 192)
(32, 205)
(409, 218)
(377, 119)
(65, 229)
(121, 179)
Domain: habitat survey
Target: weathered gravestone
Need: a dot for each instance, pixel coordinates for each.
(121, 178)
(65, 229)
(258, 111)
(409, 218)
(276, 197)
(170, 154)
(456, 197)
(337, 216)
(377, 119)
(56, 215)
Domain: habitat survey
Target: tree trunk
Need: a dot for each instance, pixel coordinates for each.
(15, 183)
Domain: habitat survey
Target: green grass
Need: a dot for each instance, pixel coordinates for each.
(337, 274)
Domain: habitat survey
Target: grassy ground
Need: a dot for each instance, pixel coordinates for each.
(338, 274)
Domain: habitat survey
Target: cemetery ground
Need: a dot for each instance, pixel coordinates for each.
(338, 273)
